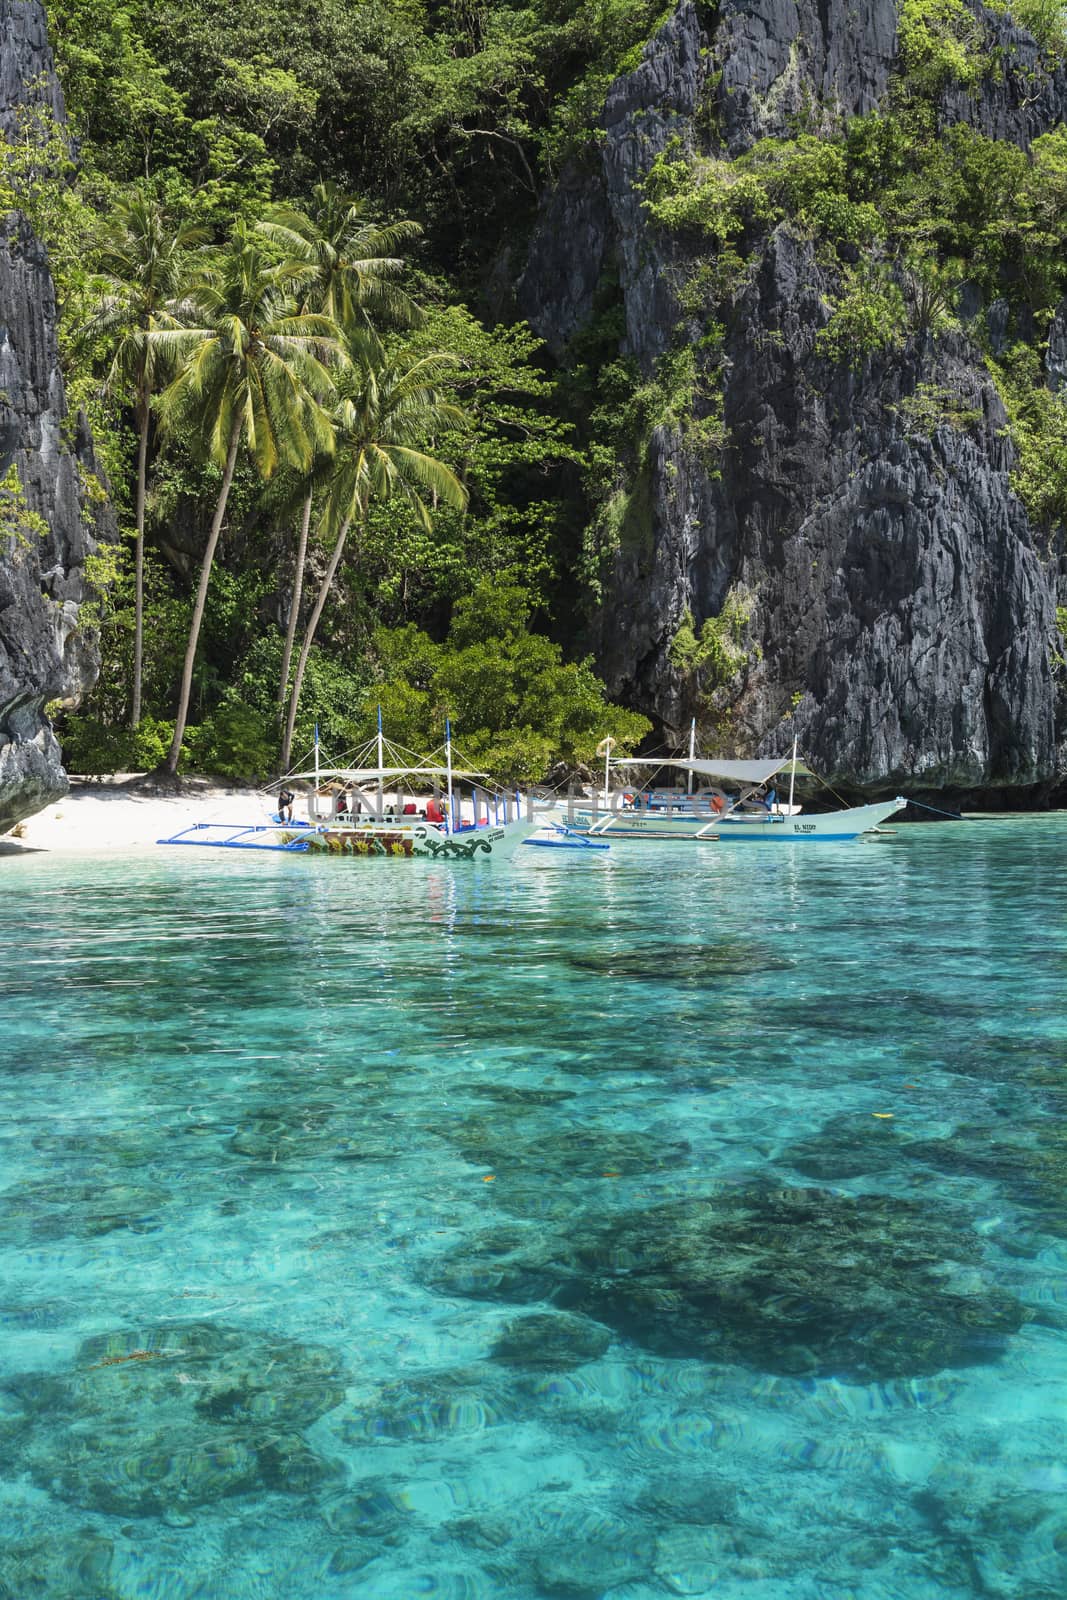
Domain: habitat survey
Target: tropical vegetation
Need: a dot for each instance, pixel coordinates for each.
(345, 472)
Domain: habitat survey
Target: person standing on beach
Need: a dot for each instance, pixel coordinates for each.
(285, 805)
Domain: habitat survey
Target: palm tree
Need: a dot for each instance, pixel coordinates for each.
(353, 262)
(145, 262)
(254, 369)
(387, 408)
(353, 258)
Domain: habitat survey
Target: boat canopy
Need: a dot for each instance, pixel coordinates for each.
(741, 772)
(379, 774)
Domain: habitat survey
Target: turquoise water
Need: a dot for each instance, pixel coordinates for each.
(661, 1222)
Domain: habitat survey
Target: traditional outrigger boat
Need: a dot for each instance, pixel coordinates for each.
(737, 804)
(383, 810)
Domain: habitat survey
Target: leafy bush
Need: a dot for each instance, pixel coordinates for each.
(1045, 19)
(870, 316)
(95, 748)
(940, 42)
(1038, 426)
(234, 742)
(516, 706)
(717, 651)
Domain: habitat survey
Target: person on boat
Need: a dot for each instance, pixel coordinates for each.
(341, 806)
(433, 811)
(770, 799)
(285, 804)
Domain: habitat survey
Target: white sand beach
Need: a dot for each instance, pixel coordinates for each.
(109, 814)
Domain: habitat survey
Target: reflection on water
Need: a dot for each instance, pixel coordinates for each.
(669, 1222)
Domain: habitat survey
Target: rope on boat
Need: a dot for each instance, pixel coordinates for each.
(954, 816)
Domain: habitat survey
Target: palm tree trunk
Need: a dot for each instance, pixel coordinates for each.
(305, 648)
(294, 606)
(138, 563)
(170, 765)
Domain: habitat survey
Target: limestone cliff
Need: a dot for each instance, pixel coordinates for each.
(893, 605)
(49, 524)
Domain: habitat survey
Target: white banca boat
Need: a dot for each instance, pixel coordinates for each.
(397, 807)
(726, 802)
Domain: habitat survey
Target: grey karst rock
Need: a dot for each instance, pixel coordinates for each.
(50, 521)
(558, 287)
(893, 606)
(1056, 351)
(1022, 97)
(790, 61)
(899, 617)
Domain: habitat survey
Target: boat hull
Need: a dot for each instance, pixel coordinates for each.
(376, 841)
(831, 827)
(421, 842)
(828, 827)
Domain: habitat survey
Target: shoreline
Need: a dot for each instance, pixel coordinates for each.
(115, 813)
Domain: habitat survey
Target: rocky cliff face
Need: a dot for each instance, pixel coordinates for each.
(895, 609)
(48, 523)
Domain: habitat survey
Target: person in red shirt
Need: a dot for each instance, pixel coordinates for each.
(434, 812)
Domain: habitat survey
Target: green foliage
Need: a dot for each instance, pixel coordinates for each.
(932, 406)
(251, 366)
(587, 45)
(940, 43)
(718, 651)
(19, 526)
(508, 454)
(517, 707)
(684, 395)
(712, 196)
(1045, 19)
(869, 317)
(94, 747)
(236, 741)
(457, 114)
(1038, 426)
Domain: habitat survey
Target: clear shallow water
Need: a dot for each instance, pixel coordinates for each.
(659, 1222)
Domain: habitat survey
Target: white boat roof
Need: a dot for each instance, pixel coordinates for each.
(728, 771)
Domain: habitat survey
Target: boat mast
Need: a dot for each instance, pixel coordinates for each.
(792, 774)
(316, 800)
(381, 764)
(692, 754)
(448, 773)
